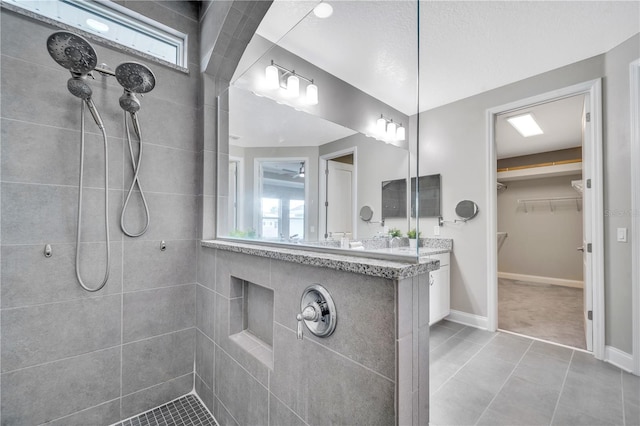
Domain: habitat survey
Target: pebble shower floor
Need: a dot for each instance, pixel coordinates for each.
(185, 411)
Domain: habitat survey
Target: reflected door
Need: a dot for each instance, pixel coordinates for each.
(339, 198)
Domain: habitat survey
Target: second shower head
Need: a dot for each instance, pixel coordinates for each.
(135, 78)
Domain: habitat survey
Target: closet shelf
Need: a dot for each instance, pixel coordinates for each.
(552, 170)
(551, 202)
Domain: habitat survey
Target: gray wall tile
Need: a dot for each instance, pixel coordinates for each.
(280, 414)
(250, 268)
(28, 278)
(40, 134)
(173, 217)
(365, 331)
(164, 169)
(207, 267)
(205, 393)
(205, 351)
(149, 362)
(206, 311)
(335, 397)
(149, 313)
(47, 214)
(155, 396)
(60, 388)
(43, 333)
(146, 267)
(222, 415)
(106, 413)
(50, 155)
(244, 397)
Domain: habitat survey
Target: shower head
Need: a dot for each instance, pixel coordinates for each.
(72, 52)
(135, 77)
(129, 102)
(79, 87)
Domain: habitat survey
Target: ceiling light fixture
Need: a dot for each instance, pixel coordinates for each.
(525, 124)
(388, 129)
(277, 76)
(323, 10)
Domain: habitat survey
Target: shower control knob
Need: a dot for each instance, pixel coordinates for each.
(318, 312)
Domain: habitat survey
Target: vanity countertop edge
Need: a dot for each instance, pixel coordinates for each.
(389, 269)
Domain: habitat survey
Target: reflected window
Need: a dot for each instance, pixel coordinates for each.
(282, 201)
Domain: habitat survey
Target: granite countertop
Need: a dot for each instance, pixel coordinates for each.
(391, 269)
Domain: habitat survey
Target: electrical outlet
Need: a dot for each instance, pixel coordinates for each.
(436, 230)
(622, 235)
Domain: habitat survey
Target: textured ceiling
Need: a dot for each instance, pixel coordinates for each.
(466, 47)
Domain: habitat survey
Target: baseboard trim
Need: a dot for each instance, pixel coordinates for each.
(471, 320)
(618, 358)
(541, 280)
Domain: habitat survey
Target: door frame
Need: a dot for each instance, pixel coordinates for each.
(634, 72)
(592, 170)
(322, 187)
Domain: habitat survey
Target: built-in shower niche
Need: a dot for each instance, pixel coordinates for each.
(251, 319)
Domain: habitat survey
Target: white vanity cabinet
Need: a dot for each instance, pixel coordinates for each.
(439, 294)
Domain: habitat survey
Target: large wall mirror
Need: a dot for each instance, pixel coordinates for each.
(309, 129)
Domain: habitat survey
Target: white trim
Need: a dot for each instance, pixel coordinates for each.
(618, 358)
(541, 280)
(634, 71)
(464, 318)
(592, 88)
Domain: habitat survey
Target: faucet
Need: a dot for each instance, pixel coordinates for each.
(392, 240)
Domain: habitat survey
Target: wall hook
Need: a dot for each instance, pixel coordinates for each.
(47, 251)
(163, 245)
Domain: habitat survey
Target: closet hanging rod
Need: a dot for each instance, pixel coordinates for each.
(544, 200)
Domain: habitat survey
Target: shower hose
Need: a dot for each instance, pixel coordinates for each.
(106, 205)
(136, 171)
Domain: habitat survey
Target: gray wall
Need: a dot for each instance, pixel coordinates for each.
(458, 152)
(541, 242)
(95, 357)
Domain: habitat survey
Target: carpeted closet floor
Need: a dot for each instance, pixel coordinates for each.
(544, 311)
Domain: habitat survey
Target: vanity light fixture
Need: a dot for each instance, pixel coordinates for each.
(389, 129)
(277, 76)
(525, 124)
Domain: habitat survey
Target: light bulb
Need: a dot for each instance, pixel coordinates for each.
(312, 94)
(401, 134)
(381, 125)
(271, 77)
(293, 86)
(391, 130)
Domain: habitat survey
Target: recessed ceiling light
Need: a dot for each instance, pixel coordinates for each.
(97, 25)
(323, 10)
(525, 124)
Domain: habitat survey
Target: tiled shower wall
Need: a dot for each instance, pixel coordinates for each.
(69, 356)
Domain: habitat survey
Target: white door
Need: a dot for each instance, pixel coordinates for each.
(587, 271)
(339, 197)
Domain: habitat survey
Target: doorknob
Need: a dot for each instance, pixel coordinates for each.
(581, 249)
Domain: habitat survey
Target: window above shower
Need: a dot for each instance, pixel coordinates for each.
(111, 23)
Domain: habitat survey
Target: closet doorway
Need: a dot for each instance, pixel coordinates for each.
(544, 221)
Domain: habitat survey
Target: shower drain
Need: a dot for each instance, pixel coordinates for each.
(185, 411)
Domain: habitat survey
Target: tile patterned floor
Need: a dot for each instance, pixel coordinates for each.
(186, 411)
(483, 378)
